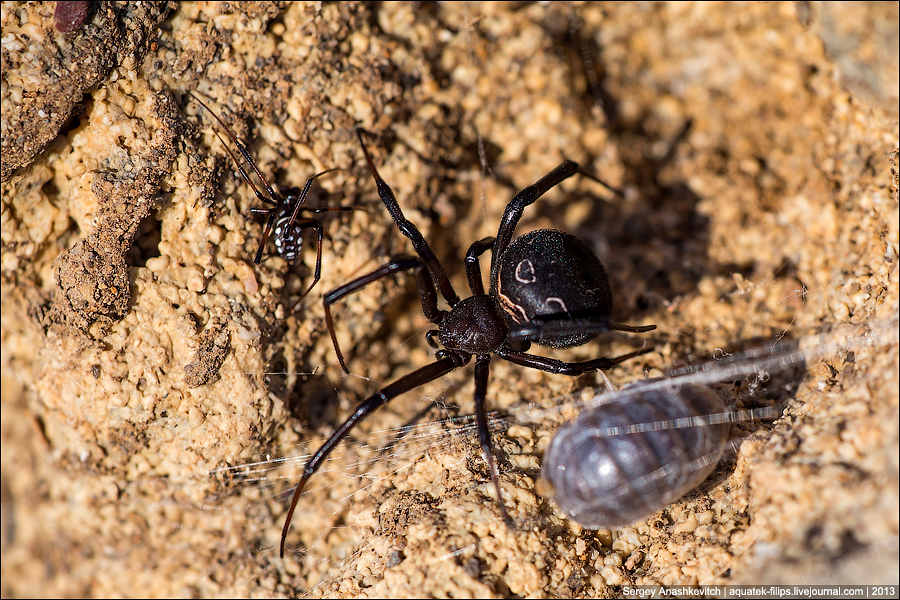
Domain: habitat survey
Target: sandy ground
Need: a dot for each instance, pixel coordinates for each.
(145, 357)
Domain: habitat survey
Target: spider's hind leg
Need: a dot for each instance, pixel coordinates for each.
(561, 326)
(552, 365)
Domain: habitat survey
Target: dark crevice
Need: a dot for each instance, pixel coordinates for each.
(146, 242)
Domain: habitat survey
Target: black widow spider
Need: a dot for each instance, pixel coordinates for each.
(285, 218)
(546, 287)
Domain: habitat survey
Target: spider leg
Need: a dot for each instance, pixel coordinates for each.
(270, 222)
(427, 294)
(482, 370)
(473, 269)
(555, 326)
(407, 228)
(529, 195)
(301, 198)
(408, 382)
(244, 174)
(273, 197)
(523, 198)
(337, 209)
(552, 365)
(312, 224)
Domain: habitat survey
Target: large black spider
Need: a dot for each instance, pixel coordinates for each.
(547, 287)
(286, 217)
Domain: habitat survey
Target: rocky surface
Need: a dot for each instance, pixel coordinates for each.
(145, 357)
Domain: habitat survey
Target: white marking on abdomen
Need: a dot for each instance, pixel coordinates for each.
(520, 272)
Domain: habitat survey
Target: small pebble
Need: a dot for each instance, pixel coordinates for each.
(70, 16)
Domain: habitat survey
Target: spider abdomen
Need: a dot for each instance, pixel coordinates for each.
(621, 461)
(288, 239)
(554, 275)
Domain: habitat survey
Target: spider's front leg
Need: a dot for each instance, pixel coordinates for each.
(407, 228)
(427, 294)
(273, 196)
(529, 195)
(301, 197)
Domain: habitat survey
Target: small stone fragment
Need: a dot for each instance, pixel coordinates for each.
(70, 16)
(212, 349)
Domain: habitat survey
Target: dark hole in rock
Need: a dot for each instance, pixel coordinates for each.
(146, 242)
(50, 190)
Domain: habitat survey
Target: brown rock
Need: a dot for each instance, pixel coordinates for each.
(46, 73)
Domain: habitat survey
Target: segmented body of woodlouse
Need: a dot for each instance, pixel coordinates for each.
(623, 460)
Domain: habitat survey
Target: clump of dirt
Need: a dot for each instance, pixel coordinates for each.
(93, 287)
(212, 348)
(47, 70)
(160, 390)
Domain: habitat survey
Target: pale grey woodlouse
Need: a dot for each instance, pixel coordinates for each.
(608, 472)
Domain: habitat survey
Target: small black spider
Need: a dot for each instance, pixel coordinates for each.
(547, 287)
(286, 216)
